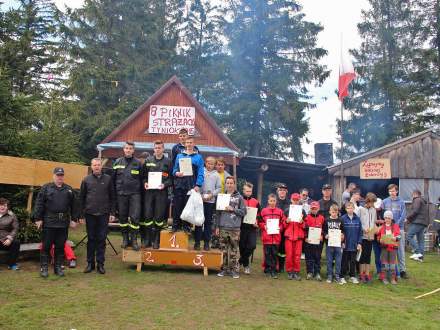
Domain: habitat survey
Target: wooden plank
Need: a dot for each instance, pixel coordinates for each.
(436, 159)
(418, 164)
(129, 255)
(394, 163)
(170, 240)
(410, 160)
(427, 158)
(34, 172)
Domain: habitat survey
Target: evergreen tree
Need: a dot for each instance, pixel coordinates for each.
(274, 58)
(119, 53)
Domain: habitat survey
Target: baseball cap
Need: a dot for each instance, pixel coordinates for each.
(314, 205)
(326, 186)
(282, 186)
(58, 171)
(295, 196)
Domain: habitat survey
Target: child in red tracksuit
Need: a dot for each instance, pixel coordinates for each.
(294, 235)
(388, 254)
(313, 251)
(271, 241)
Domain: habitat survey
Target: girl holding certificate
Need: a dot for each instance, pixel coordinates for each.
(271, 225)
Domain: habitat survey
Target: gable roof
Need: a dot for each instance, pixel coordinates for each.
(394, 145)
(152, 99)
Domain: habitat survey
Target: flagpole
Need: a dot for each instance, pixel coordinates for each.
(342, 151)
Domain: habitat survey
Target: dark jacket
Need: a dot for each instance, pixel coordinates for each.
(8, 226)
(127, 176)
(419, 212)
(352, 232)
(97, 195)
(333, 224)
(324, 207)
(152, 164)
(56, 206)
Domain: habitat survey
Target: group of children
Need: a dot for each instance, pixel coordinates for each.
(347, 238)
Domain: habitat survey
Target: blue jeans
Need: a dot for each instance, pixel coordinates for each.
(401, 253)
(417, 231)
(377, 251)
(333, 253)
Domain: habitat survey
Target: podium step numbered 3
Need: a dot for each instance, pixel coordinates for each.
(174, 250)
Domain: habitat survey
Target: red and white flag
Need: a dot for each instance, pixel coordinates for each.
(346, 76)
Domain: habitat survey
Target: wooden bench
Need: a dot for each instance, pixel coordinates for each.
(174, 250)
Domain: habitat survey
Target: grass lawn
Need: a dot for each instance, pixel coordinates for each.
(161, 297)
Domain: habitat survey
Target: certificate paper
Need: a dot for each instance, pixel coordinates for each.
(185, 166)
(314, 235)
(295, 213)
(334, 238)
(273, 226)
(251, 215)
(154, 180)
(223, 200)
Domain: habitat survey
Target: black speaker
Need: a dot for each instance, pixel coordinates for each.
(324, 153)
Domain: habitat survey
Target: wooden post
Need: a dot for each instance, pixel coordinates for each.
(139, 267)
(260, 185)
(29, 201)
(205, 271)
(234, 167)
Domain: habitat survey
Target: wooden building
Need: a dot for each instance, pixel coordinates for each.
(172, 107)
(414, 164)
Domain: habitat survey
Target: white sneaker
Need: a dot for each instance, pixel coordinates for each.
(415, 256)
(354, 280)
(247, 270)
(419, 259)
(303, 256)
(342, 281)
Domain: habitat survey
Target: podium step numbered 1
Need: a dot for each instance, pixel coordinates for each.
(174, 250)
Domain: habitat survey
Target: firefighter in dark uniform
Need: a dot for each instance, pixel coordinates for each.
(127, 176)
(55, 209)
(155, 200)
(282, 203)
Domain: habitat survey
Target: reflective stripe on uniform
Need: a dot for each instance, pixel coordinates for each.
(150, 164)
(158, 223)
(133, 226)
(118, 166)
(282, 255)
(146, 223)
(123, 225)
(134, 172)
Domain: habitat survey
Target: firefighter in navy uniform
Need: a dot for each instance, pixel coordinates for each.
(127, 178)
(55, 209)
(155, 200)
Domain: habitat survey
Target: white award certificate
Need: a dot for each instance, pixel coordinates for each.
(251, 215)
(223, 200)
(273, 226)
(334, 238)
(154, 180)
(314, 235)
(295, 213)
(185, 166)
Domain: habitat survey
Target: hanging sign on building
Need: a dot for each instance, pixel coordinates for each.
(375, 168)
(169, 119)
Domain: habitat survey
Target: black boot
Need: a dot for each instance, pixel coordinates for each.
(101, 269)
(124, 238)
(156, 238)
(90, 267)
(44, 266)
(133, 238)
(142, 233)
(146, 243)
(58, 270)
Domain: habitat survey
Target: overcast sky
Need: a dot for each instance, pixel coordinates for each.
(337, 17)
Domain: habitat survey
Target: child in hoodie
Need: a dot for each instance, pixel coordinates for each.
(333, 253)
(389, 248)
(271, 242)
(313, 251)
(228, 224)
(353, 242)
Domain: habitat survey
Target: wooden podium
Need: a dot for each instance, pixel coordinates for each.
(174, 250)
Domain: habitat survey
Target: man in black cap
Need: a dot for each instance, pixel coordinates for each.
(97, 199)
(54, 211)
(282, 203)
(326, 201)
(127, 178)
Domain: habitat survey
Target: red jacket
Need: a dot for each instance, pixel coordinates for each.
(294, 231)
(269, 213)
(316, 221)
(395, 230)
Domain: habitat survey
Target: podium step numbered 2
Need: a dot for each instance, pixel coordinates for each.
(174, 250)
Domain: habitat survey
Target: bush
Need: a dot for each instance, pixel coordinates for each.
(28, 232)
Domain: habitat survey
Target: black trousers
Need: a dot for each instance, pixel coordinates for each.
(248, 243)
(348, 265)
(155, 207)
(57, 237)
(179, 202)
(129, 206)
(270, 257)
(97, 228)
(313, 254)
(206, 230)
(13, 251)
